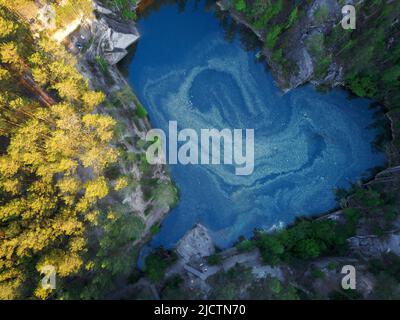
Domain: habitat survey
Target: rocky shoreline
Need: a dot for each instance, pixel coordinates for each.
(111, 40)
(298, 53)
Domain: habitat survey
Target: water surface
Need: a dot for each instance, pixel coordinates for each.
(307, 143)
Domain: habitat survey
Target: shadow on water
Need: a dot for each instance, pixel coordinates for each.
(147, 7)
(123, 65)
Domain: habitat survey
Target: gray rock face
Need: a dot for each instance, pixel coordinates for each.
(296, 49)
(333, 7)
(196, 244)
(113, 38)
(101, 9)
(118, 38)
(372, 246)
(305, 67)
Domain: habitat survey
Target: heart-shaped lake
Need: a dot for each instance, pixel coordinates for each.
(307, 143)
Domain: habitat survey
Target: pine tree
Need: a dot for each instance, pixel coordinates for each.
(51, 172)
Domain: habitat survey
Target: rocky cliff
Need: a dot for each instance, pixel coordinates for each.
(113, 36)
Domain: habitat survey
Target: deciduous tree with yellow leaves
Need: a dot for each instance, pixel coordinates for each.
(51, 163)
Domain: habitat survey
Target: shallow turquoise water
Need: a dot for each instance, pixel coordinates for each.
(306, 143)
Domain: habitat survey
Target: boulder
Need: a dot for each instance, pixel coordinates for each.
(196, 244)
(116, 38)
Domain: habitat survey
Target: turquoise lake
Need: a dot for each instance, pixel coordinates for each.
(190, 68)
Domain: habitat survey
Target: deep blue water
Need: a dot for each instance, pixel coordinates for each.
(306, 143)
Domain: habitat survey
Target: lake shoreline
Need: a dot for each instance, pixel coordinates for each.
(332, 214)
(317, 215)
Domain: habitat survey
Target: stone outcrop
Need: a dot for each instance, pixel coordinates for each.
(373, 246)
(117, 38)
(114, 38)
(107, 36)
(296, 47)
(196, 244)
(101, 9)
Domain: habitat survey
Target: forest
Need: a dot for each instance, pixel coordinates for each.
(63, 153)
(55, 152)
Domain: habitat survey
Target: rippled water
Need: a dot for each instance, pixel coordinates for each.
(306, 143)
